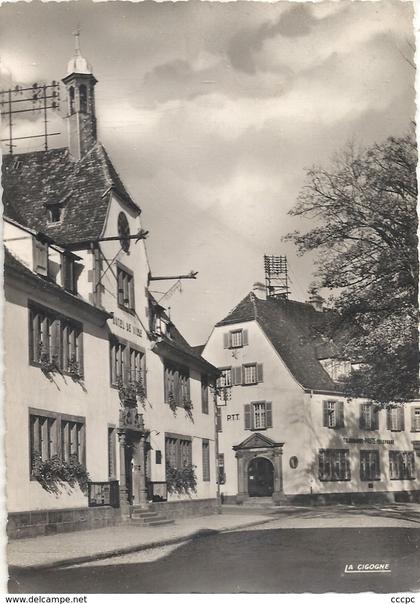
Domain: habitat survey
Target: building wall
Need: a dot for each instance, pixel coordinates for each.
(298, 423)
(278, 386)
(26, 386)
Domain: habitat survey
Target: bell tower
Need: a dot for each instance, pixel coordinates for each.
(81, 119)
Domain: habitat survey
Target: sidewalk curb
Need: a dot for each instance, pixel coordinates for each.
(201, 533)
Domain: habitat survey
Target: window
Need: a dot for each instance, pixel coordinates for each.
(72, 348)
(112, 454)
(369, 465)
(137, 366)
(368, 418)
(258, 415)
(40, 257)
(221, 475)
(83, 98)
(235, 338)
(395, 419)
(43, 437)
(225, 379)
(118, 362)
(71, 99)
(333, 414)
(125, 284)
(250, 374)
(401, 465)
(204, 395)
(68, 273)
(177, 384)
(72, 440)
(415, 419)
(178, 451)
(205, 445)
(334, 464)
(55, 339)
(54, 434)
(54, 212)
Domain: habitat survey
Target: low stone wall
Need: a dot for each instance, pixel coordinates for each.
(50, 522)
(185, 508)
(343, 498)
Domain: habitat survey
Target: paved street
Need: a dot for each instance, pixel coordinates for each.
(269, 558)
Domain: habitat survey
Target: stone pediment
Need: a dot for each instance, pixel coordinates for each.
(257, 441)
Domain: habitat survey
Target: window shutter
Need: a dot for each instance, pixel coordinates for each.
(244, 337)
(325, 413)
(55, 342)
(340, 414)
(268, 415)
(401, 418)
(131, 288)
(32, 340)
(40, 255)
(79, 337)
(413, 419)
(259, 372)
(388, 419)
(226, 340)
(126, 360)
(362, 423)
(143, 373)
(236, 376)
(120, 287)
(247, 416)
(375, 419)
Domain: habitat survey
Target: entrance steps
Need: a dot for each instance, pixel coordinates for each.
(146, 517)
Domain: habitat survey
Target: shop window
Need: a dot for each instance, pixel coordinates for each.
(205, 446)
(334, 464)
(401, 465)
(395, 419)
(333, 414)
(369, 465)
(368, 418)
(125, 287)
(258, 415)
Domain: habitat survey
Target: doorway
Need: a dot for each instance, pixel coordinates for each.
(260, 477)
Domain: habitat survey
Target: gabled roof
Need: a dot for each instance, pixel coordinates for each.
(33, 181)
(297, 332)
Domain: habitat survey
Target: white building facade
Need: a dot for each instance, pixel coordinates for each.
(97, 376)
(286, 432)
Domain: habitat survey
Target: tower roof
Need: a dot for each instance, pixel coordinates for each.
(78, 63)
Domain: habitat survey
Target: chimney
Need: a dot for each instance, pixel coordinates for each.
(81, 119)
(316, 301)
(259, 290)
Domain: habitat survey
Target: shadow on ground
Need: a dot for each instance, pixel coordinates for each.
(250, 561)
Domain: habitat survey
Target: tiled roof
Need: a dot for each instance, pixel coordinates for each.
(32, 181)
(297, 332)
(13, 266)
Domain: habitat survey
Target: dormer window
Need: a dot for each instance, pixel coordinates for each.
(55, 213)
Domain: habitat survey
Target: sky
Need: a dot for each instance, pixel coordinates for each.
(212, 113)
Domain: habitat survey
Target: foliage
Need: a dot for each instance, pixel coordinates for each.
(54, 474)
(188, 406)
(182, 480)
(172, 402)
(73, 368)
(132, 392)
(363, 209)
(49, 363)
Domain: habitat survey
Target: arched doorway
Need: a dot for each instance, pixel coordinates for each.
(260, 477)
